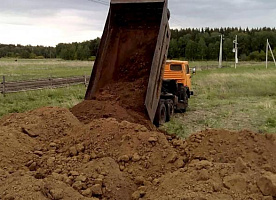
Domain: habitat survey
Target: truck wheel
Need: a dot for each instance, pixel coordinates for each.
(170, 109)
(184, 98)
(186, 101)
(161, 114)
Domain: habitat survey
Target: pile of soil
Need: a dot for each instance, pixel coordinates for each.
(222, 165)
(49, 154)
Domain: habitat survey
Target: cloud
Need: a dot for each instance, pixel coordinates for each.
(223, 13)
(53, 21)
(50, 22)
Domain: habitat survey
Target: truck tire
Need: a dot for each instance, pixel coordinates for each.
(161, 114)
(186, 100)
(170, 109)
(184, 97)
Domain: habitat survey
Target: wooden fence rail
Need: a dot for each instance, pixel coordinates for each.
(17, 86)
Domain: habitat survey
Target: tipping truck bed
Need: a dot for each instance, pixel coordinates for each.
(134, 45)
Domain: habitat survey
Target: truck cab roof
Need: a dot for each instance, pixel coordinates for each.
(176, 62)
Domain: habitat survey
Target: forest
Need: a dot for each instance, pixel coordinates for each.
(204, 44)
(30, 52)
(190, 44)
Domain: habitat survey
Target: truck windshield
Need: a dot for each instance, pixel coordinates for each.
(176, 67)
(187, 69)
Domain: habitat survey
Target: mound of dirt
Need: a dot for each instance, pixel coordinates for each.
(222, 165)
(48, 154)
(46, 124)
(90, 110)
(14, 148)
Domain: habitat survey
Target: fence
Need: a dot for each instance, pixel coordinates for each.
(208, 67)
(17, 86)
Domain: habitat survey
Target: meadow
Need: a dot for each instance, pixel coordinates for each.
(26, 69)
(226, 98)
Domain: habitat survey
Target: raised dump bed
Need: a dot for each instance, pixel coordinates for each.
(133, 49)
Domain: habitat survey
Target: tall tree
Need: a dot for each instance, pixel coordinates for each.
(202, 48)
(191, 50)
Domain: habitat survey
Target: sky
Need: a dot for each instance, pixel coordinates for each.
(49, 22)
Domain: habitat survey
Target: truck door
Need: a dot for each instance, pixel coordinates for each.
(188, 76)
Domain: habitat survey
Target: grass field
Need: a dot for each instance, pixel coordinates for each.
(24, 101)
(26, 69)
(228, 98)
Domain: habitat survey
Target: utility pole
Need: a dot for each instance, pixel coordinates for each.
(266, 58)
(271, 53)
(4, 86)
(235, 50)
(220, 52)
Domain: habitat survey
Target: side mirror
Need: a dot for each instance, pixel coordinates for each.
(194, 70)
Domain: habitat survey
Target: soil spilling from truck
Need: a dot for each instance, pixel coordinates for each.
(124, 79)
(124, 98)
(49, 154)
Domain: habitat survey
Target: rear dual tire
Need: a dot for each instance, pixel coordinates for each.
(164, 112)
(170, 109)
(161, 114)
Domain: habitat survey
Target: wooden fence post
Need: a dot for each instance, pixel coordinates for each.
(51, 82)
(4, 86)
(85, 81)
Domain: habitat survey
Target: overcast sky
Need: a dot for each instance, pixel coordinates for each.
(49, 22)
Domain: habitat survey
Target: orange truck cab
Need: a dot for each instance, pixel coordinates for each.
(179, 71)
(175, 92)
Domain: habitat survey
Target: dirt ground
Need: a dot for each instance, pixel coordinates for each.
(49, 154)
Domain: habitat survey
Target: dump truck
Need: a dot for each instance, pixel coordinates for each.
(135, 44)
(175, 92)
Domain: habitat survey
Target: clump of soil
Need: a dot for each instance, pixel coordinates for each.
(58, 157)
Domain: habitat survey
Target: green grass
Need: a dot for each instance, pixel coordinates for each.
(26, 69)
(229, 98)
(23, 101)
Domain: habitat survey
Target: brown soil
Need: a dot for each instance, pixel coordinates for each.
(122, 90)
(122, 101)
(48, 154)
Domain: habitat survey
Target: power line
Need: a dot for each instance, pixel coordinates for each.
(105, 3)
(174, 19)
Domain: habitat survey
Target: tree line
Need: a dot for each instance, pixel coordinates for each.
(78, 51)
(190, 44)
(21, 51)
(86, 50)
(204, 44)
